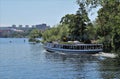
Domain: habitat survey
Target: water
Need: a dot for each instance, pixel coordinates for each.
(22, 60)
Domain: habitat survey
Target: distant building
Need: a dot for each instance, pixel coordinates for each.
(2, 29)
(20, 26)
(13, 26)
(9, 31)
(33, 26)
(26, 26)
(16, 30)
(42, 27)
(5, 31)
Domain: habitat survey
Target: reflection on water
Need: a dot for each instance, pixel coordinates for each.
(22, 60)
(110, 69)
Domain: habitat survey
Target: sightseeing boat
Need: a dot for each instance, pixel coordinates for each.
(74, 48)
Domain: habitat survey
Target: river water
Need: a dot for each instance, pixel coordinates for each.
(20, 59)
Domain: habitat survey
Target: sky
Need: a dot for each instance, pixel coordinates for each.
(32, 12)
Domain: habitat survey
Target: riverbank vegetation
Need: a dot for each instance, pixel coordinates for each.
(34, 35)
(105, 29)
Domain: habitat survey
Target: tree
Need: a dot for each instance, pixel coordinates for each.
(109, 23)
(77, 23)
(108, 20)
(56, 33)
(35, 33)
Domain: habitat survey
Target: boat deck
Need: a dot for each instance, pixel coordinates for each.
(74, 48)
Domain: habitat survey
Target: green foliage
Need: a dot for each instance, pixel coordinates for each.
(34, 34)
(109, 23)
(116, 41)
(95, 3)
(77, 24)
(56, 33)
(91, 31)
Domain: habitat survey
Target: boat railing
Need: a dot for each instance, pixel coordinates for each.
(76, 46)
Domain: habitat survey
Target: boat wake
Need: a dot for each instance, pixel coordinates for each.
(108, 55)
